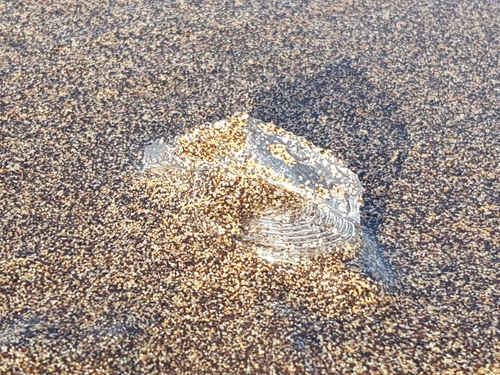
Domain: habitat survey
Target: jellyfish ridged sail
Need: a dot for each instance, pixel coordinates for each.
(325, 212)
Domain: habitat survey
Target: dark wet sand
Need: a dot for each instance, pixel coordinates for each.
(107, 270)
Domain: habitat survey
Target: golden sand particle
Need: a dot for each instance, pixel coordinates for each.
(281, 152)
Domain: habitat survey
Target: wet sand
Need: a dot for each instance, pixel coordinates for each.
(105, 269)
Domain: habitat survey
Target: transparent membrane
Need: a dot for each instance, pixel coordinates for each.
(328, 217)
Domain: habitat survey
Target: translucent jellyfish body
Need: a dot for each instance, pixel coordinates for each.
(324, 214)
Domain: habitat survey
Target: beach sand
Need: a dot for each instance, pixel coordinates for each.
(107, 269)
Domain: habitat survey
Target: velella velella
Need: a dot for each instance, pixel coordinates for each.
(324, 214)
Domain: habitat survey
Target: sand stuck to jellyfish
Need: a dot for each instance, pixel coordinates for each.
(296, 200)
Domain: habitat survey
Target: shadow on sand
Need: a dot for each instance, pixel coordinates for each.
(340, 109)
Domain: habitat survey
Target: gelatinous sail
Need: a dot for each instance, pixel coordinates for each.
(329, 195)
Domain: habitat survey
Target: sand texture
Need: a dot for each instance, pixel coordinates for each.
(106, 269)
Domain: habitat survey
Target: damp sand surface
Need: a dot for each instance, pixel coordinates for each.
(105, 269)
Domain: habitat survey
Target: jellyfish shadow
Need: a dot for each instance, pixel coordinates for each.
(341, 109)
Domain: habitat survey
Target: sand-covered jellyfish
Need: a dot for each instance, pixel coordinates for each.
(322, 217)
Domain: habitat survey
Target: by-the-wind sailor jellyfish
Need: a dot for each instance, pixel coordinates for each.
(324, 215)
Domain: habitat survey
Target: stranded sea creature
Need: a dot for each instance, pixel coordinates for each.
(325, 214)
